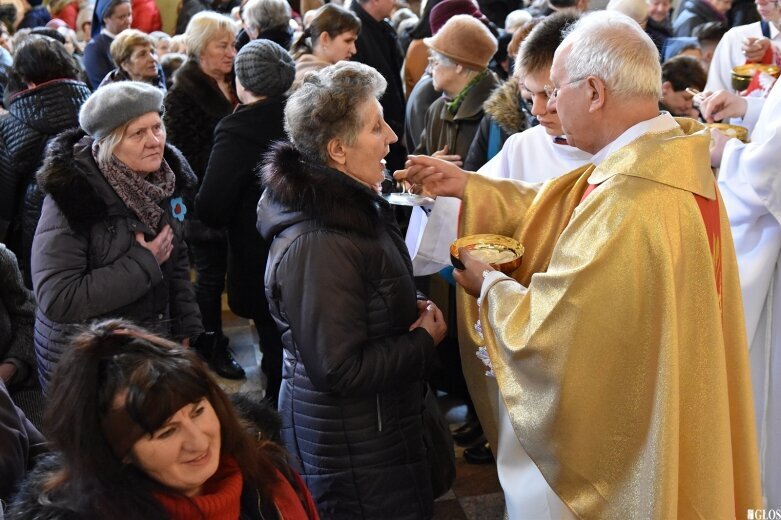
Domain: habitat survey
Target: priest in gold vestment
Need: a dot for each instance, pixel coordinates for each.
(618, 346)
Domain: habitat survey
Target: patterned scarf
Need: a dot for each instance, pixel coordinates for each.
(142, 195)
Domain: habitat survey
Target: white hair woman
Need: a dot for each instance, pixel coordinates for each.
(110, 239)
(202, 94)
(339, 282)
(267, 20)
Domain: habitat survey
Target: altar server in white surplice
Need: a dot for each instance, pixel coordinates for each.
(746, 42)
(750, 182)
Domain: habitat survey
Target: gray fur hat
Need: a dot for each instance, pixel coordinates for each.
(264, 68)
(114, 105)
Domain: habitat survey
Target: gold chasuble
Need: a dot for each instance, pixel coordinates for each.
(623, 368)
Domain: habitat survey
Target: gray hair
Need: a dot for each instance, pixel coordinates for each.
(205, 27)
(441, 58)
(262, 15)
(325, 107)
(614, 48)
(107, 144)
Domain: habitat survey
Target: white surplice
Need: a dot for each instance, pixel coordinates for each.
(750, 183)
(530, 156)
(728, 54)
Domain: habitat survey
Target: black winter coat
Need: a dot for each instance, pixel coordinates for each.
(34, 116)
(339, 282)
(87, 263)
(193, 107)
(378, 47)
(229, 197)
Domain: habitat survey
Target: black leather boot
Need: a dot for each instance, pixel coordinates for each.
(214, 350)
(479, 454)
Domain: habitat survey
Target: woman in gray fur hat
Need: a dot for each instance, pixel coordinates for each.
(109, 241)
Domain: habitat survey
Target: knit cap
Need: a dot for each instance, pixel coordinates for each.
(115, 104)
(444, 11)
(265, 68)
(465, 40)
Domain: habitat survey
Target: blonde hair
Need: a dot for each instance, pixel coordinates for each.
(125, 43)
(205, 27)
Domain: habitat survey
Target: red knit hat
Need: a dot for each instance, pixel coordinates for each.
(444, 11)
(465, 40)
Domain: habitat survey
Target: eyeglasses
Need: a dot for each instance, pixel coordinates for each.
(553, 92)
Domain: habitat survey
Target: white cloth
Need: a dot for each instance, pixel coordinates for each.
(750, 184)
(728, 54)
(530, 156)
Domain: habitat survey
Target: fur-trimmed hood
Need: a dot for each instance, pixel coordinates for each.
(503, 107)
(297, 190)
(71, 177)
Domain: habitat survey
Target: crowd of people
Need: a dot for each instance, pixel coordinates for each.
(629, 368)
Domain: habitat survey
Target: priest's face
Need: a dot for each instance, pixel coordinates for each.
(571, 101)
(534, 84)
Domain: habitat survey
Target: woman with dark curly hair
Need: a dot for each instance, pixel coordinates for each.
(141, 430)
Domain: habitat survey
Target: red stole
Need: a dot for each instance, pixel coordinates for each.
(709, 210)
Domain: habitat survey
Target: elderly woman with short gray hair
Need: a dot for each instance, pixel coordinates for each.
(358, 346)
(109, 242)
(267, 20)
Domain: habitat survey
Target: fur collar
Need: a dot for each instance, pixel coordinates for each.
(71, 177)
(330, 197)
(503, 107)
(192, 82)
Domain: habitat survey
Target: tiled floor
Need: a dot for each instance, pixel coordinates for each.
(476, 494)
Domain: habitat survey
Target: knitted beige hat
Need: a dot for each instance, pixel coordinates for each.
(465, 40)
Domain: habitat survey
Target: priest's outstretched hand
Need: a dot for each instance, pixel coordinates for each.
(471, 276)
(431, 176)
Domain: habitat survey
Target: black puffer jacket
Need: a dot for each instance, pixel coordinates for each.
(34, 116)
(339, 283)
(87, 263)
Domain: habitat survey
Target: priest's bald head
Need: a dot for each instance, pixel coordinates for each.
(605, 78)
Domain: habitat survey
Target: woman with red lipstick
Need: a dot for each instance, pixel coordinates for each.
(141, 430)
